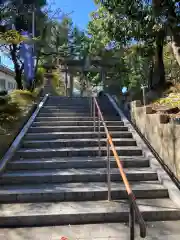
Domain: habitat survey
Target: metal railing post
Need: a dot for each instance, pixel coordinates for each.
(108, 171)
(94, 115)
(99, 134)
(91, 106)
(131, 220)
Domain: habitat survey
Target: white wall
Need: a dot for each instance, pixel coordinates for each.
(9, 81)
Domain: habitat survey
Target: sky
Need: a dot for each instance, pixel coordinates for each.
(78, 10)
(4, 60)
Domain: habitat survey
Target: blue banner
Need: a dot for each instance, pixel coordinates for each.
(2, 1)
(26, 53)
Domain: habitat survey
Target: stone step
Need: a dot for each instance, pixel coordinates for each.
(161, 230)
(75, 152)
(75, 175)
(66, 100)
(51, 107)
(74, 135)
(78, 192)
(60, 99)
(76, 143)
(67, 104)
(72, 110)
(64, 118)
(74, 123)
(63, 163)
(63, 114)
(66, 110)
(43, 214)
(50, 129)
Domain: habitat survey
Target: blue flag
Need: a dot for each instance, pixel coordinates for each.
(26, 53)
(3, 1)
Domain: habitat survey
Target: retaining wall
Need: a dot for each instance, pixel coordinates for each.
(164, 138)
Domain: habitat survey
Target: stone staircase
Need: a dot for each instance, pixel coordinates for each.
(56, 177)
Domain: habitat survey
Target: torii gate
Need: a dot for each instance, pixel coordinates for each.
(70, 66)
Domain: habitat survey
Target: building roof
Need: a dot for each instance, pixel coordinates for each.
(6, 70)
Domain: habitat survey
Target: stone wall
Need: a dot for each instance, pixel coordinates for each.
(164, 138)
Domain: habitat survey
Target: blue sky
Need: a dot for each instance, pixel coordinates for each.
(79, 11)
(6, 61)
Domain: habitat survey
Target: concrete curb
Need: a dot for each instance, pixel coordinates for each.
(163, 177)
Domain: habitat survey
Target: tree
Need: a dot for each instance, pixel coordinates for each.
(56, 40)
(134, 21)
(13, 23)
(156, 21)
(103, 43)
(167, 13)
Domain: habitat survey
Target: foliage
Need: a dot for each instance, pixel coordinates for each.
(138, 33)
(11, 37)
(137, 67)
(94, 78)
(171, 66)
(12, 114)
(63, 40)
(16, 103)
(172, 99)
(55, 41)
(57, 83)
(16, 17)
(40, 76)
(78, 44)
(22, 97)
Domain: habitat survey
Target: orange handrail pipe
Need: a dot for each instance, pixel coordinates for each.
(109, 138)
(123, 175)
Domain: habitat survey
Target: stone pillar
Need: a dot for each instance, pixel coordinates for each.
(66, 82)
(71, 84)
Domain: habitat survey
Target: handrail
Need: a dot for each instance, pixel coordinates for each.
(133, 205)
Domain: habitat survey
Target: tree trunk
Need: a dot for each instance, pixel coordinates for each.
(175, 45)
(81, 92)
(159, 63)
(71, 85)
(82, 85)
(18, 78)
(17, 67)
(66, 83)
(151, 72)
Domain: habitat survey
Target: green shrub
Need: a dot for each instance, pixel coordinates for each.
(16, 104)
(18, 100)
(40, 76)
(22, 97)
(172, 99)
(57, 83)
